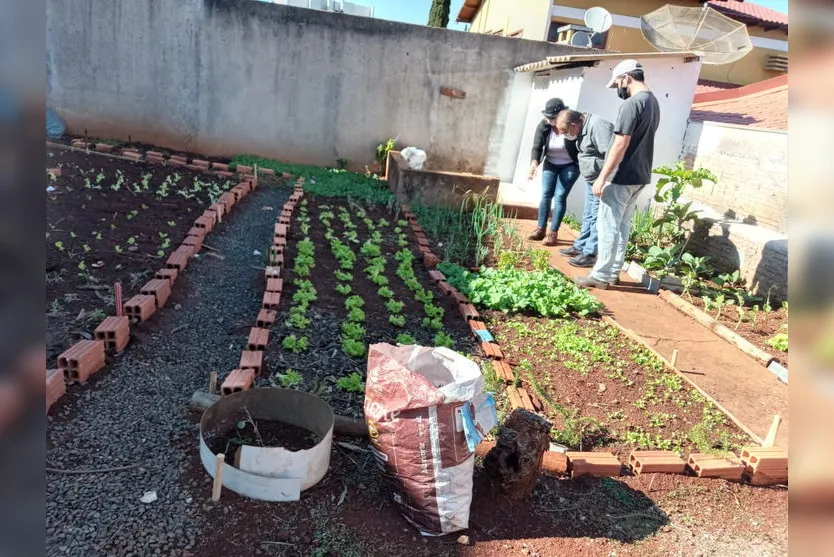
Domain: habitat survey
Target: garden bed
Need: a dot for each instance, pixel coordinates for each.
(111, 220)
(324, 367)
(600, 390)
(757, 326)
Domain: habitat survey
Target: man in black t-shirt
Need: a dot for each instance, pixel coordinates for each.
(627, 170)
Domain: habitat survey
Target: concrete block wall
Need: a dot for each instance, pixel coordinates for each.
(432, 187)
(237, 76)
(751, 165)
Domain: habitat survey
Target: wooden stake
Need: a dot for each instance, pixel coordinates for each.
(674, 357)
(218, 478)
(213, 382)
(770, 439)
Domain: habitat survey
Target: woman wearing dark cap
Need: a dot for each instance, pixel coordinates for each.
(559, 156)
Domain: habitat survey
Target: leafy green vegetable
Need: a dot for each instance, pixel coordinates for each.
(547, 293)
(351, 383)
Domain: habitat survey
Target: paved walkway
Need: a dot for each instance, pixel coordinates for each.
(741, 384)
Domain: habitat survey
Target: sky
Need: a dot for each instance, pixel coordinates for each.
(417, 11)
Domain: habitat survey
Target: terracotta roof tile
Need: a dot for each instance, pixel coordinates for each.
(748, 12)
(761, 108)
(707, 86)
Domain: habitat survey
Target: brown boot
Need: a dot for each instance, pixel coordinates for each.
(551, 239)
(538, 234)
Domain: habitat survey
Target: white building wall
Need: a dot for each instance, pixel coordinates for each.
(671, 79)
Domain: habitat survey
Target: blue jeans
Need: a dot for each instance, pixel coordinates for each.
(557, 181)
(586, 242)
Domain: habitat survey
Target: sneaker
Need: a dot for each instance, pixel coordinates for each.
(537, 235)
(591, 282)
(551, 240)
(583, 261)
(571, 251)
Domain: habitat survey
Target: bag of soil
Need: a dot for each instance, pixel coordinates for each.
(426, 411)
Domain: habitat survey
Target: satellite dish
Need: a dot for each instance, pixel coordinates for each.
(717, 38)
(598, 19)
(581, 38)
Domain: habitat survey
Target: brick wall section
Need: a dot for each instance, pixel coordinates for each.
(759, 253)
(751, 167)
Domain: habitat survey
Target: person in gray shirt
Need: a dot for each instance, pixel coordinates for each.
(594, 136)
(626, 171)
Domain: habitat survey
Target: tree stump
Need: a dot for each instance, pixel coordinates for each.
(515, 461)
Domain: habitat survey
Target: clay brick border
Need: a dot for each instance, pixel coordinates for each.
(238, 380)
(170, 274)
(81, 360)
(56, 387)
(504, 371)
(492, 351)
(160, 289)
(140, 307)
(274, 285)
(252, 359)
(258, 339)
(648, 462)
(114, 332)
(711, 466)
(266, 318)
(272, 272)
(597, 464)
(271, 300)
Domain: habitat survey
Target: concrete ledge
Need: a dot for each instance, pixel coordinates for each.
(434, 187)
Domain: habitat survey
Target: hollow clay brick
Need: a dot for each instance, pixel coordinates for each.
(220, 166)
(169, 274)
(141, 306)
(81, 360)
(503, 370)
(195, 241)
(436, 276)
(242, 169)
(592, 464)
(468, 311)
(272, 272)
(178, 260)
(271, 300)
(160, 289)
(276, 258)
(56, 386)
(114, 332)
(281, 230)
(459, 297)
(238, 380)
(266, 317)
(711, 466)
(258, 339)
(274, 285)
(218, 208)
(205, 221)
(555, 463)
(252, 359)
(664, 462)
(492, 351)
(444, 287)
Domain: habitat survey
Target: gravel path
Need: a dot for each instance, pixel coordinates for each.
(134, 412)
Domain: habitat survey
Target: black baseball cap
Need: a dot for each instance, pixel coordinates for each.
(553, 107)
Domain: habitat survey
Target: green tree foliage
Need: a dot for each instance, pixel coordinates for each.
(439, 13)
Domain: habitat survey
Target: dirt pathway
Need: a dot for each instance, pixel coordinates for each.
(739, 383)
